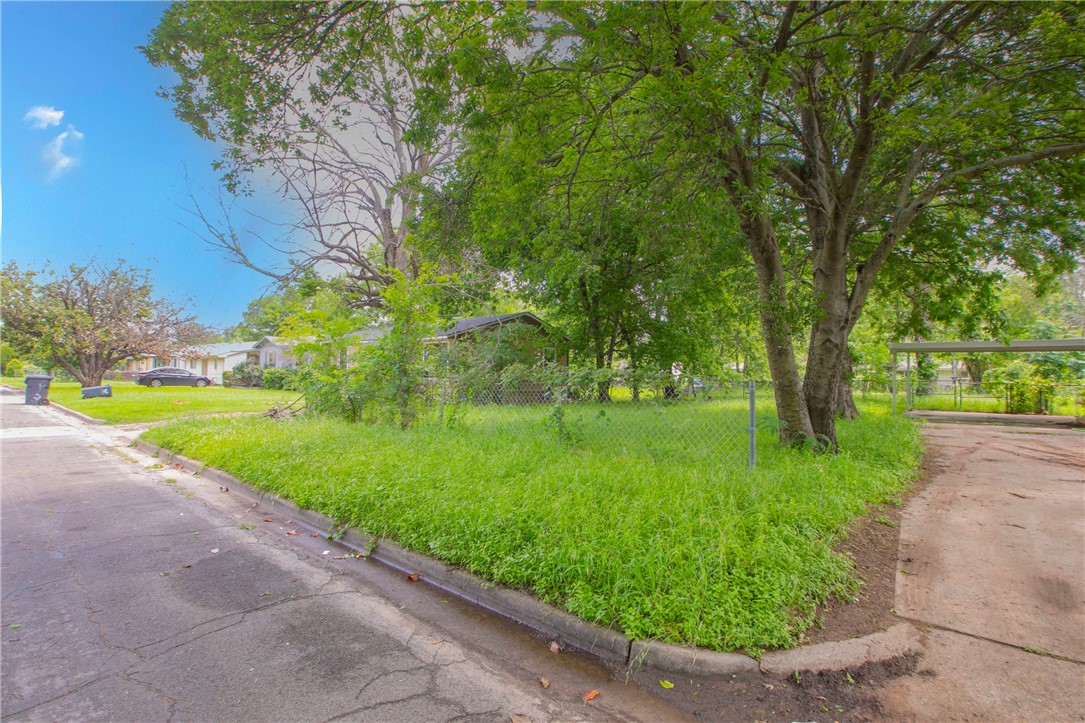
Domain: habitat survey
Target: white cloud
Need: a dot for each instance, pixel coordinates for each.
(44, 116)
(56, 153)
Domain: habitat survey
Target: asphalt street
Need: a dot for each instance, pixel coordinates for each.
(135, 594)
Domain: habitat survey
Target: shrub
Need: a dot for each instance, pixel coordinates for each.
(247, 374)
(280, 378)
(7, 355)
(14, 368)
(227, 378)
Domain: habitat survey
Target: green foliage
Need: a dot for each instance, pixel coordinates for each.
(88, 319)
(654, 542)
(7, 353)
(386, 378)
(1024, 390)
(280, 378)
(14, 368)
(247, 374)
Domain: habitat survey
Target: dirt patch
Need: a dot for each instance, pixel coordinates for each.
(873, 543)
(843, 696)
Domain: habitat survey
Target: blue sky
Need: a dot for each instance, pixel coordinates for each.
(106, 179)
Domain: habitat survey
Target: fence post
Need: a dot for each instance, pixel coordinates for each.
(753, 425)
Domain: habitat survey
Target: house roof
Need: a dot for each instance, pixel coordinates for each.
(279, 341)
(480, 323)
(371, 334)
(224, 348)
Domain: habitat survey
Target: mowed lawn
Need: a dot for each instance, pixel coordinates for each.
(658, 543)
(132, 403)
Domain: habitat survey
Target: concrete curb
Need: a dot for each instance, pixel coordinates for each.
(53, 405)
(902, 639)
(899, 640)
(78, 415)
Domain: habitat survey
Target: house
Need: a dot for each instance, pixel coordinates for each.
(142, 363)
(473, 328)
(276, 351)
(209, 360)
(212, 360)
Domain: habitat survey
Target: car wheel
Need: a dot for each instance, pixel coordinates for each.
(155, 383)
(200, 383)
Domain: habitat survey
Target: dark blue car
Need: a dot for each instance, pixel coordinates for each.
(171, 377)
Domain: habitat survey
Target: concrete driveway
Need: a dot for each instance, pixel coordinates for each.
(127, 597)
(992, 563)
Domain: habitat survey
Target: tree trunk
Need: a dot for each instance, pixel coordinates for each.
(791, 407)
(845, 402)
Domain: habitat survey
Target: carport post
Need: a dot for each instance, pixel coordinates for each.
(907, 380)
(894, 378)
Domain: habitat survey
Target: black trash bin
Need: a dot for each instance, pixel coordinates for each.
(37, 388)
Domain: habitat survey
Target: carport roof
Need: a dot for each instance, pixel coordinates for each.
(966, 347)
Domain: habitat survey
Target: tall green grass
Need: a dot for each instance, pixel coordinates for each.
(650, 539)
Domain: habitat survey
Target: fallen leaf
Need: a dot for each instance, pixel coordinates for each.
(520, 718)
(820, 697)
(291, 532)
(666, 684)
(544, 682)
(338, 557)
(769, 686)
(555, 648)
(413, 577)
(178, 465)
(591, 695)
(186, 565)
(179, 401)
(314, 534)
(266, 519)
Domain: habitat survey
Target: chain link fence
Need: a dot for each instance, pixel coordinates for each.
(663, 418)
(1031, 396)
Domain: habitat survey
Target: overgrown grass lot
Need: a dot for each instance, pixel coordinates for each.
(132, 403)
(677, 547)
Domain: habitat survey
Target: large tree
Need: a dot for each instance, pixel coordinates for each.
(322, 97)
(90, 319)
(844, 137)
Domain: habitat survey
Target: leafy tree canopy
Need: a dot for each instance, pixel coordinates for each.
(89, 319)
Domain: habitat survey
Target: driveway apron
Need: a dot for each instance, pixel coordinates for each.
(992, 560)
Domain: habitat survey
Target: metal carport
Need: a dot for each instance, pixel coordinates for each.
(969, 347)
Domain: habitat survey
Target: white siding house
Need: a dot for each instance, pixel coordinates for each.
(211, 360)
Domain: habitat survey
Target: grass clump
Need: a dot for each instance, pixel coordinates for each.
(684, 548)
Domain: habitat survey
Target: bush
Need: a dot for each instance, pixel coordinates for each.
(227, 378)
(7, 355)
(281, 378)
(14, 368)
(247, 374)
